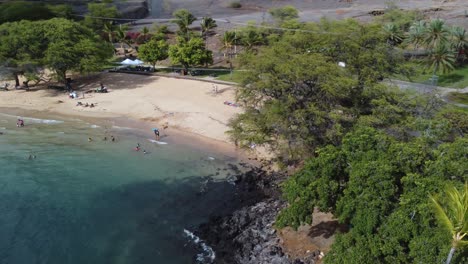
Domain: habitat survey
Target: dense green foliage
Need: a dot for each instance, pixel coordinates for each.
(451, 208)
(371, 153)
(378, 185)
(97, 11)
(284, 13)
(297, 97)
(153, 51)
(183, 19)
(58, 44)
(18, 10)
(189, 53)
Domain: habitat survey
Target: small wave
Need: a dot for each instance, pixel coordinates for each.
(60, 132)
(94, 126)
(42, 121)
(121, 128)
(208, 254)
(2, 128)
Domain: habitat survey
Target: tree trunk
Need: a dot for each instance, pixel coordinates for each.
(17, 83)
(450, 255)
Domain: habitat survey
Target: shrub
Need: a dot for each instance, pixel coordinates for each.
(235, 4)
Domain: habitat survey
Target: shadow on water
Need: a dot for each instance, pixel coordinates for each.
(147, 225)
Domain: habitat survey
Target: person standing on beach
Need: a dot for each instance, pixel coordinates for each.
(156, 133)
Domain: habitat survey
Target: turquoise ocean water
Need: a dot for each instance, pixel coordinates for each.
(102, 202)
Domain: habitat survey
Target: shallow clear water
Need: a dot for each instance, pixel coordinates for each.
(100, 201)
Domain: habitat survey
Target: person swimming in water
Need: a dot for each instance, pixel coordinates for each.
(20, 123)
(112, 138)
(90, 139)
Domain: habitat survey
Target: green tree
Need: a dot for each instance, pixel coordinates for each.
(250, 37)
(22, 47)
(153, 51)
(73, 47)
(416, 33)
(207, 24)
(393, 34)
(284, 13)
(63, 11)
(144, 34)
(459, 41)
(19, 10)
(121, 36)
(442, 58)
(188, 53)
(436, 34)
(452, 212)
(97, 12)
(108, 30)
(183, 19)
(229, 40)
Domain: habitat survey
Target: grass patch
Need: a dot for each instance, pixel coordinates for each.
(226, 76)
(461, 98)
(457, 78)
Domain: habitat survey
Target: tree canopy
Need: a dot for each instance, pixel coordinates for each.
(93, 19)
(297, 97)
(189, 53)
(58, 44)
(377, 185)
(153, 51)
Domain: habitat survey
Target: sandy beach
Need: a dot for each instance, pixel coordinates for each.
(187, 105)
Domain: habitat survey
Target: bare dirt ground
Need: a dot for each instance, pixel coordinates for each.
(453, 11)
(310, 10)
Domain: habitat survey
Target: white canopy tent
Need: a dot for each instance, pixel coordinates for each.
(132, 62)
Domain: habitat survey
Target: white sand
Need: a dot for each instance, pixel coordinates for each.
(184, 104)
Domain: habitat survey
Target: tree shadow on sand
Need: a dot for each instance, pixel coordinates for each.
(327, 229)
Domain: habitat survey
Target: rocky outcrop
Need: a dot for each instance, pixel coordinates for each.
(247, 236)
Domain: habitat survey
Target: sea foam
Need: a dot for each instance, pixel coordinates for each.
(207, 255)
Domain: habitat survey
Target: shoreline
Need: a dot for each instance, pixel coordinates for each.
(195, 116)
(142, 129)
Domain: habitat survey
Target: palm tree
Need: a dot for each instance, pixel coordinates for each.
(459, 41)
(250, 38)
(121, 36)
(442, 58)
(452, 213)
(394, 34)
(207, 24)
(144, 34)
(183, 18)
(229, 39)
(416, 33)
(436, 34)
(108, 29)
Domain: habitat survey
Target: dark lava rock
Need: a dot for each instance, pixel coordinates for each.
(247, 236)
